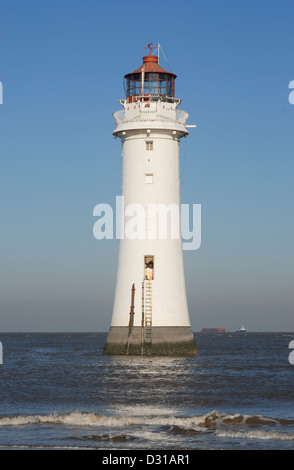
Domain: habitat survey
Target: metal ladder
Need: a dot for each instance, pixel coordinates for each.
(148, 311)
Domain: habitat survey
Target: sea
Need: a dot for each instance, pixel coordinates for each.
(59, 392)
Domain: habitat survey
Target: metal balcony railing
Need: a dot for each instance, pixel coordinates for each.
(154, 114)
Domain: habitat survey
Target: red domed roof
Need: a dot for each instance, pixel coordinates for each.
(151, 65)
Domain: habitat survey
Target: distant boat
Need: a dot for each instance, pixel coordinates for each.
(242, 329)
(205, 330)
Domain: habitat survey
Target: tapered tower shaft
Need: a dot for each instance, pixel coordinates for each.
(150, 313)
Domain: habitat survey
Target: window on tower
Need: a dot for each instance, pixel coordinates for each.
(149, 145)
(149, 178)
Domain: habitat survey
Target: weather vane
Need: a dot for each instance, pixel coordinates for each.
(150, 47)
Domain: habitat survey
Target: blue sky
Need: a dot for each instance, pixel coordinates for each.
(62, 64)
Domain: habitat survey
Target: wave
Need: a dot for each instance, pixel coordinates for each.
(221, 424)
(255, 434)
(212, 419)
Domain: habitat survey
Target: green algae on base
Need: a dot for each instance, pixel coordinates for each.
(180, 349)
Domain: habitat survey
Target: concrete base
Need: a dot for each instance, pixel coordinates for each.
(165, 341)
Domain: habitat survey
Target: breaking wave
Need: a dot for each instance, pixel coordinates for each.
(221, 424)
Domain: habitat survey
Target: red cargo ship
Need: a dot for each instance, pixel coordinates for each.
(213, 329)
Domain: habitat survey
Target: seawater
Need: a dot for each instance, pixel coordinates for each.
(58, 391)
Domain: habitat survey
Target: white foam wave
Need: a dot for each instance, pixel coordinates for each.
(256, 434)
(92, 419)
(212, 420)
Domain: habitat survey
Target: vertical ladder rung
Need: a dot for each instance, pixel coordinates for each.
(148, 311)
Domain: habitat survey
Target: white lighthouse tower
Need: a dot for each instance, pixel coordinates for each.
(150, 314)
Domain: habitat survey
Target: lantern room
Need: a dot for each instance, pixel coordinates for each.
(150, 82)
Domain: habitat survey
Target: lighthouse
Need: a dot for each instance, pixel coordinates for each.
(150, 313)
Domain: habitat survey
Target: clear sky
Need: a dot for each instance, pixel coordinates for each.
(62, 64)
